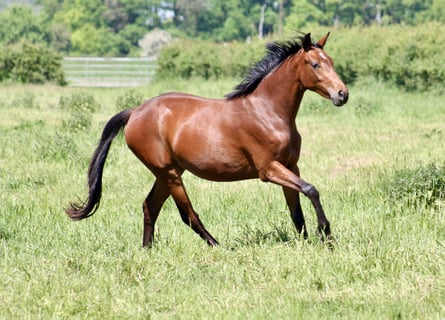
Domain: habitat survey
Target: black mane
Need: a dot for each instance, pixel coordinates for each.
(277, 52)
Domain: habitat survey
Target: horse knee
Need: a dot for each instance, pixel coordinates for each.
(310, 191)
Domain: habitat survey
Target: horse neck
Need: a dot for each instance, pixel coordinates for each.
(282, 91)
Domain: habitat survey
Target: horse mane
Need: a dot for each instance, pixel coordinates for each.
(277, 52)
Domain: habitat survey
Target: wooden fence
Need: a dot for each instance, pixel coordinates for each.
(108, 72)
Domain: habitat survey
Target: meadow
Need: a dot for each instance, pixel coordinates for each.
(388, 260)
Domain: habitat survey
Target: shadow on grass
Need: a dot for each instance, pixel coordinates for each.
(255, 236)
(4, 235)
(279, 234)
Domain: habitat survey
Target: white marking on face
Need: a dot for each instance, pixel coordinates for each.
(321, 54)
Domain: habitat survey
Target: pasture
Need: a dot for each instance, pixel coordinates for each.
(387, 262)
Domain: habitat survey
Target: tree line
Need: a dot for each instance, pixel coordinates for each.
(114, 27)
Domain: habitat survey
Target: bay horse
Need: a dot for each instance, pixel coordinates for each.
(250, 133)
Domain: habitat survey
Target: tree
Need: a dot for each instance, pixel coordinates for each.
(77, 13)
(344, 12)
(187, 14)
(437, 11)
(240, 19)
(121, 23)
(303, 14)
(115, 15)
(406, 11)
(90, 40)
(19, 23)
(59, 37)
(50, 8)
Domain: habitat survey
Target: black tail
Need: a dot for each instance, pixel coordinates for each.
(87, 208)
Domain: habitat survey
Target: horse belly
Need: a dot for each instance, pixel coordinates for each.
(215, 161)
(221, 171)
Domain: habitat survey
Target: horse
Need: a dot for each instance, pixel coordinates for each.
(250, 133)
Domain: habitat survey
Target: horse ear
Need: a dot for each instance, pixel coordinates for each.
(322, 41)
(307, 42)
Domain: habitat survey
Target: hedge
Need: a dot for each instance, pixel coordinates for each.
(407, 57)
(188, 59)
(30, 63)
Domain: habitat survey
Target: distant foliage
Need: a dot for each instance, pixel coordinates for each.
(424, 186)
(31, 63)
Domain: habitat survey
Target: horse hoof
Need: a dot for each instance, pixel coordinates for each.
(212, 242)
(328, 241)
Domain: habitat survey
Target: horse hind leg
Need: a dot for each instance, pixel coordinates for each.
(296, 213)
(188, 214)
(151, 208)
(293, 202)
(195, 223)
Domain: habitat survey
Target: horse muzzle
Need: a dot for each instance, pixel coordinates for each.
(340, 98)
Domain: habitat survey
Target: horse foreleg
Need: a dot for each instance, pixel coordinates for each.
(151, 207)
(188, 214)
(279, 174)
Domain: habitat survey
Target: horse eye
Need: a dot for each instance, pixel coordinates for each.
(315, 65)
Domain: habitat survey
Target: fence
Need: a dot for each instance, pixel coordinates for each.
(108, 72)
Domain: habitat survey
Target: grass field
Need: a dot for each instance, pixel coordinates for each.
(388, 261)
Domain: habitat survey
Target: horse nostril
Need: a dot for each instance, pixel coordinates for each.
(343, 95)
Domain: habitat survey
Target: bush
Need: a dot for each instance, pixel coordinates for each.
(424, 186)
(81, 102)
(31, 63)
(130, 99)
(81, 107)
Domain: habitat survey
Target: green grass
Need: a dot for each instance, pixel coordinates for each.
(388, 261)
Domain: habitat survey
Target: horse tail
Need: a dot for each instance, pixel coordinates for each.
(82, 210)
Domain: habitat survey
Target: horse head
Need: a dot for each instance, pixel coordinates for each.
(316, 71)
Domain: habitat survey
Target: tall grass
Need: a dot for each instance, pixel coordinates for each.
(387, 261)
